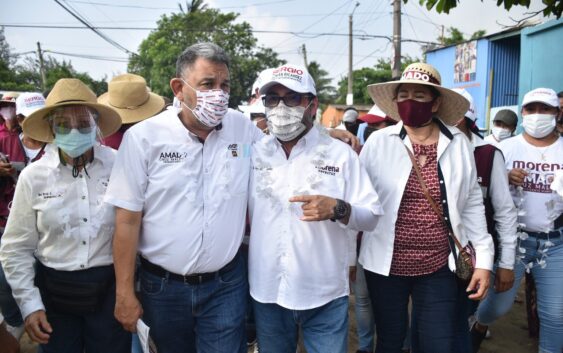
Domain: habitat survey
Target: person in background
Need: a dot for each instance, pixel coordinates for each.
(375, 120)
(500, 213)
(532, 158)
(129, 95)
(56, 249)
(410, 254)
(349, 120)
(21, 150)
(306, 191)
(504, 126)
(9, 123)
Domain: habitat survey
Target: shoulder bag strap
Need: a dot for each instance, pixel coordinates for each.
(430, 199)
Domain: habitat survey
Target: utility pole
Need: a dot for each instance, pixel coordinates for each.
(350, 95)
(41, 68)
(396, 72)
(304, 51)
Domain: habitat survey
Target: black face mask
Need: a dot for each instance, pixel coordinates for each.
(352, 127)
(368, 131)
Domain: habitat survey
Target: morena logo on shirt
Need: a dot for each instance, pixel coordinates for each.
(328, 169)
(172, 157)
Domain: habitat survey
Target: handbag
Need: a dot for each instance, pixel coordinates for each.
(465, 260)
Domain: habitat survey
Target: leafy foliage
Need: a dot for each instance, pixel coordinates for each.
(363, 77)
(158, 52)
(456, 36)
(552, 7)
(325, 92)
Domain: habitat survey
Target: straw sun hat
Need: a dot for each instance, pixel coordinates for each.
(129, 95)
(69, 91)
(453, 105)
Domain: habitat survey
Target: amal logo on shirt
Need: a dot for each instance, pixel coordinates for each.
(328, 169)
(172, 157)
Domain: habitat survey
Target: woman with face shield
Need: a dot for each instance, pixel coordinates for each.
(56, 249)
(424, 172)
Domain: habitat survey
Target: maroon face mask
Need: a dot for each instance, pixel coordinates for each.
(414, 113)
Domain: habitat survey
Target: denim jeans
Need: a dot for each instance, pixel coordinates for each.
(325, 329)
(206, 317)
(364, 311)
(549, 285)
(87, 333)
(435, 306)
(8, 305)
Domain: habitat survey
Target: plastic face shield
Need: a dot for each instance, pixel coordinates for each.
(80, 117)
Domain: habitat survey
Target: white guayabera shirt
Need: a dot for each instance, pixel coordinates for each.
(296, 264)
(59, 220)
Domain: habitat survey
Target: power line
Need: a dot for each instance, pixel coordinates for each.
(297, 34)
(172, 8)
(87, 56)
(76, 15)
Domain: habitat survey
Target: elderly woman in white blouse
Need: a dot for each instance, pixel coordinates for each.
(56, 250)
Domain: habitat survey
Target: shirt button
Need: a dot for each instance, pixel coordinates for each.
(81, 266)
(80, 175)
(443, 201)
(446, 218)
(83, 242)
(83, 197)
(441, 181)
(85, 219)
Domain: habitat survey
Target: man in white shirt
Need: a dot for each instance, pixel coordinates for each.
(306, 192)
(180, 188)
(532, 159)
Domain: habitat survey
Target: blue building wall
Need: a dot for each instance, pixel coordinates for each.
(541, 62)
(443, 60)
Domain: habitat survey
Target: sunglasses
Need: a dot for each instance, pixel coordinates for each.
(290, 100)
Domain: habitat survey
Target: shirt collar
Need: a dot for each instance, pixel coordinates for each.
(51, 156)
(309, 139)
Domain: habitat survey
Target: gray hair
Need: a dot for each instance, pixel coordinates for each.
(206, 50)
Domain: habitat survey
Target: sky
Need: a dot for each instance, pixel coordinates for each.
(307, 19)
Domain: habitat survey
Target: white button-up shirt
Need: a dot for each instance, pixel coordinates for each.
(389, 166)
(193, 195)
(58, 219)
(503, 206)
(296, 264)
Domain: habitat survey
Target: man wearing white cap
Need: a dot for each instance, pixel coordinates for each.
(532, 159)
(306, 191)
(21, 150)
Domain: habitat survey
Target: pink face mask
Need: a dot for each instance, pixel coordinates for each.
(211, 106)
(414, 113)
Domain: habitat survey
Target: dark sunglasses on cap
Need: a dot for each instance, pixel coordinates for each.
(290, 99)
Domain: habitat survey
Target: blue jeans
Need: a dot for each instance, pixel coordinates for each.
(87, 333)
(325, 329)
(434, 316)
(549, 285)
(8, 305)
(364, 312)
(206, 317)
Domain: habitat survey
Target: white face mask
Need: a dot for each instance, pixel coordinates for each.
(286, 123)
(539, 125)
(211, 107)
(500, 133)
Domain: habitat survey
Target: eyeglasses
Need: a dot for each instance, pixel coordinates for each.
(291, 99)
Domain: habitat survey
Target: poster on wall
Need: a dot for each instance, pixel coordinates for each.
(465, 65)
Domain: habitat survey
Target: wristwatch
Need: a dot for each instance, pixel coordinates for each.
(341, 210)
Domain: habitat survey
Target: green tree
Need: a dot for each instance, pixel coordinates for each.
(363, 77)
(157, 56)
(552, 7)
(456, 36)
(325, 92)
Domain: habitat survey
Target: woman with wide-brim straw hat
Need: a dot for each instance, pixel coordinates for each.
(410, 254)
(56, 250)
(129, 95)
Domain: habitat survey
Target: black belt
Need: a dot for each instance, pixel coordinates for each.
(543, 235)
(196, 278)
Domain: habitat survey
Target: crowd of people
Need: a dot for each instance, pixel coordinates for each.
(224, 230)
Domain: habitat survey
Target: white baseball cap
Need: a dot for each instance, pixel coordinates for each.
(29, 102)
(294, 77)
(541, 95)
(471, 112)
(350, 115)
(263, 77)
(255, 108)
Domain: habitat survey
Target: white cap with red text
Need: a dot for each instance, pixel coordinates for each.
(471, 112)
(294, 77)
(541, 95)
(28, 102)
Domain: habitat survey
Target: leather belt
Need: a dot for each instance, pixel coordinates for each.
(193, 279)
(543, 235)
